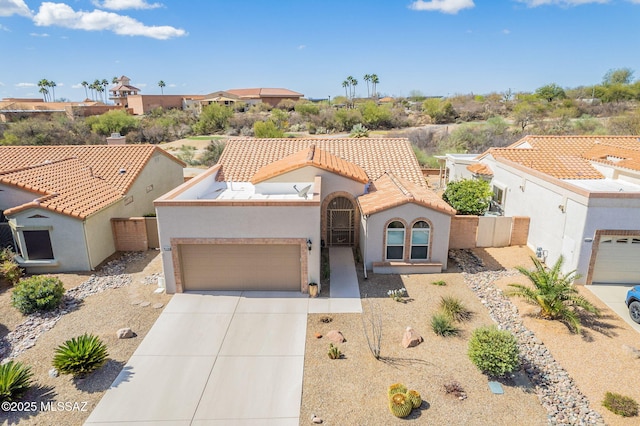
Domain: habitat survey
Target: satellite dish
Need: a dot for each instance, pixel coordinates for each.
(304, 192)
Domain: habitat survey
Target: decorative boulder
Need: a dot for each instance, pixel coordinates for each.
(411, 338)
(335, 336)
(125, 333)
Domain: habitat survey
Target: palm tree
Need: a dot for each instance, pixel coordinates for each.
(100, 90)
(105, 84)
(97, 84)
(554, 292)
(43, 84)
(345, 84)
(52, 85)
(115, 80)
(352, 85)
(161, 84)
(85, 84)
(374, 83)
(367, 78)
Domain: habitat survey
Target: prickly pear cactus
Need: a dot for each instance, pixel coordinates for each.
(400, 405)
(397, 388)
(415, 398)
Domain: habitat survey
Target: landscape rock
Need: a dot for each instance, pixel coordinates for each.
(144, 304)
(125, 333)
(335, 336)
(158, 305)
(53, 373)
(411, 338)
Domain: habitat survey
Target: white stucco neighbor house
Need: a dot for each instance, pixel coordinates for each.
(259, 218)
(582, 194)
(58, 201)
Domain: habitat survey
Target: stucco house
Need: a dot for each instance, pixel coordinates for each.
(58, 201)
(259, 218)
(582, 194)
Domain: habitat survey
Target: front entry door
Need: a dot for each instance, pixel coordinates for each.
(341, 222)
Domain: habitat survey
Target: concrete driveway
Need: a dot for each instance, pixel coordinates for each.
(614, 295)
(229, 359)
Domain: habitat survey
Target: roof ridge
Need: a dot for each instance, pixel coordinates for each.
(312, 152)
(33, 166)
(396, 181)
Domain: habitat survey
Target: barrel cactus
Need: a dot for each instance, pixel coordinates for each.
(400, 405)
(415, 398)
(397, 388)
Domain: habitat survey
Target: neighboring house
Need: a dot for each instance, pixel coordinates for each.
(582, 194)
(259, 218)
(271, 96)
(58, 201)
(14, 109)
(121, 91)
(144, 104)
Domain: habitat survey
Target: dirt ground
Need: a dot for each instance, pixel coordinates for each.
(101, 314)
(352, 390)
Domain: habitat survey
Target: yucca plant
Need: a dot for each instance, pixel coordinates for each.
(15, 380)
(453, 307)
(80, 355)
(554, 292)
(442, 325)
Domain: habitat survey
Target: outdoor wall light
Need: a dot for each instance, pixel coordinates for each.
(309, 244)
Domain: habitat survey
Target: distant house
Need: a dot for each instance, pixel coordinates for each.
(258, 219)
(582, 194)
(269, 96)
(120, 93)
(12, 109)
(58, 201)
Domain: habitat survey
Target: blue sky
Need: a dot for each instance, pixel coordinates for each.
(439, 47)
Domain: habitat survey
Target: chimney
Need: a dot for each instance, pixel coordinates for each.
(116, 139)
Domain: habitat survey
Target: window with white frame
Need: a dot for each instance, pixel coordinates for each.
(395, 240)
(420, 233)
(37, 245)
(498, 198)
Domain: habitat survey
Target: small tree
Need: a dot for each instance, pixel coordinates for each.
(267, 129)
(117, 121)
(214, 118)
(468, 196)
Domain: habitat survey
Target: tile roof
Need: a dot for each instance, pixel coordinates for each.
(259, 92)
(74, 180)
(571, 157)
(390, 191)
(311, 156)
(480, 169)
(242, 158)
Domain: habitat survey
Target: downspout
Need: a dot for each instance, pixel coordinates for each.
(366, 236)
(86, 244)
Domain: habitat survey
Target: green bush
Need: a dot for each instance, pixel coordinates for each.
(454, 308)
(439, 283)
(15, 380)
(37, 293)
(468, 196)
(11, 272)
(267, 129)
(621, 405)
(442, 325)
(80, 355)
(493, 351)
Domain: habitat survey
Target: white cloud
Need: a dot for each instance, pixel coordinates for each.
(26, 85)
(14, 7)
(302, 47)
(62, 15)
(444, 6)
(3, 28)
(39, 34)
(77, 86)
(126, 4)
(506, 31)
(141, 84)
(536, 3)
(171, 85)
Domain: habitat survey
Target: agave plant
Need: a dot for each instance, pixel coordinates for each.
(359, 131)
(15, 380)
(80, 355)
(554, 292)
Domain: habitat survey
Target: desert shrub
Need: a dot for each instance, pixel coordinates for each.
(80, 355)
(213, 118)
(334, 352)
(306, 108)
(493, 351)
(345, 119)
(621, 405)
(116, 121)
(37, 293)
(454, 388)
(439, 283)
(267, 129)
(15, 380)
(359, 131)
(454, 308)
(442, 325)
(11, 272)
(468, 196)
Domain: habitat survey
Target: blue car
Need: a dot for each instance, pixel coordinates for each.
(633, 303)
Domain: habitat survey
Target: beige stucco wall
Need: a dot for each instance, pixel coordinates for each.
(242, 221)
(331, 182)
(67, 240)
(374, 228)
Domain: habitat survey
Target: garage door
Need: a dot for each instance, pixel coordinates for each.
(240, 266)
(618, 260)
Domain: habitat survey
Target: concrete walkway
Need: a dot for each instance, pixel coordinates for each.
(344, 294)
(225, 358)
(614, 295)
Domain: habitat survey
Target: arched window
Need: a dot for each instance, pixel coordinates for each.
(395, 240)
(420, 233)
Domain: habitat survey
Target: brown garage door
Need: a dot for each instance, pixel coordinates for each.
(240, 266)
